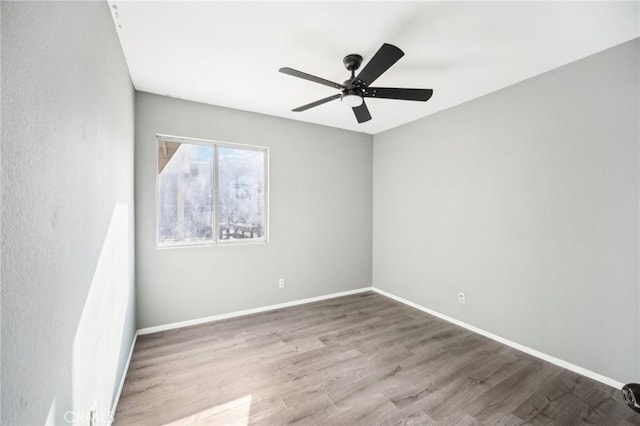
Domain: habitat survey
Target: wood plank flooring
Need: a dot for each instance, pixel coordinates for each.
(357, 360)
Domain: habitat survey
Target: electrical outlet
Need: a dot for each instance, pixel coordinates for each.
(281, 283)
(462, 298)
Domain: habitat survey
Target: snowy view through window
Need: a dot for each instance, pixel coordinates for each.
(188, 211)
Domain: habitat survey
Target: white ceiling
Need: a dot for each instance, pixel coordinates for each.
(229, 53)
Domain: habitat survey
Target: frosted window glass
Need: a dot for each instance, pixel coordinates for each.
(241, 191)
(185, 195)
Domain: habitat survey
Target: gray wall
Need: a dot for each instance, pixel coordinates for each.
(527, 200)
(67, 211)
(320, 216)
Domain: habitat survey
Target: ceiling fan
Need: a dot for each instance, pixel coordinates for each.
(354, 90)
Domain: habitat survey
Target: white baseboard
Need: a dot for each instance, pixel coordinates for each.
(559, 362)
(204, 320)
(124, 376)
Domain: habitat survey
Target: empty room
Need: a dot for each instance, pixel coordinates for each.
(305, 212)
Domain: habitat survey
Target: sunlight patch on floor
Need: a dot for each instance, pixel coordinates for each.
(232, 413)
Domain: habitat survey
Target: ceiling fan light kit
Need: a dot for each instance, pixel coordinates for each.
(355, 89)
(352, 99)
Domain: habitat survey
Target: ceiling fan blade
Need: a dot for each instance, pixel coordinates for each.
(386, 56)
(305, 76)
(395, 93)
(316, 103)
(362, 113)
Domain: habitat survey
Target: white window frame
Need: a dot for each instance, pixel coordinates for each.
(216, 241)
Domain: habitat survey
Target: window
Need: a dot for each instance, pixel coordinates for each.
(210, 192)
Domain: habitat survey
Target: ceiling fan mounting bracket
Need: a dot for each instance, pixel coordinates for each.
(352, 62)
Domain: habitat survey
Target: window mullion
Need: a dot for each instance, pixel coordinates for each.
(215, 198)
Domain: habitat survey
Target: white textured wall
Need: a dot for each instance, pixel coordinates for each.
(67, 211)
(319, 215)
(527, 200)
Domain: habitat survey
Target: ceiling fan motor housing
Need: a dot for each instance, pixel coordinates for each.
(355, 91)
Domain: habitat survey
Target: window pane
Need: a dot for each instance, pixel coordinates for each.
(185, 193)
(241, 193)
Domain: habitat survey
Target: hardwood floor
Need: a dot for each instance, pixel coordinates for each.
(362, 359)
